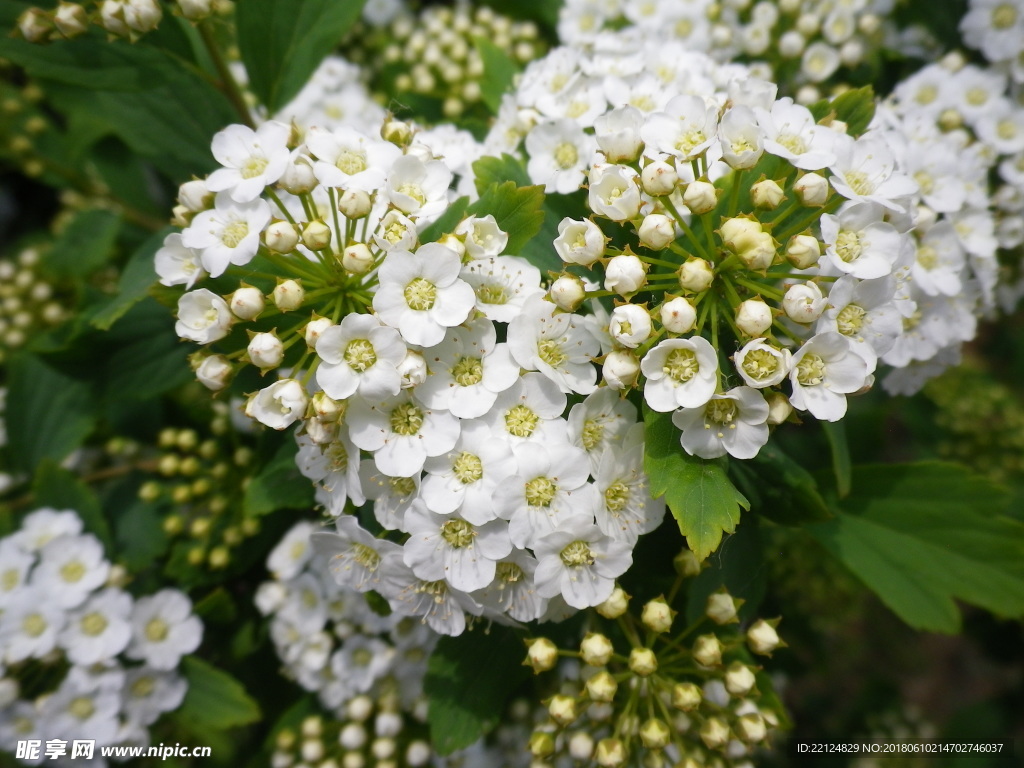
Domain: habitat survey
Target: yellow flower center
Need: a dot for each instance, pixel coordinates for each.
(492, 293)
(566, 155)
(521, 421)
(94, 624)
(351, 162)
(143, 687)
(1004, 16)
(550, 351)
(468, 468)
(850, 319)
(253, 167)
(927, 257)
(34, 624)
(592, 433)
(82, 708)
(72, 572)
(234, 233)
(848, 247)
(366, 557)
(468, 371)
(810, 371)
(420, 294)
(406, 420)
(402, 486)
(681, 365)
(616, 497)
(360, 355)
(859, 182)
(157, 630)
(577, 554)
(760, 364)
(540, 492)
(458, 533)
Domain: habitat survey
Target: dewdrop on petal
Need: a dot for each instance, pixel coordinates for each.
(657, 231)
(803, 251)
(357, 259)
(620, 370)
(754, 317)
(288, 295)
(246, 303)
(811, 189)
(265, 350)
(695, 275)
(659, 178)
(596, 650)
(700, 197)
(568, 292)
(678, 315)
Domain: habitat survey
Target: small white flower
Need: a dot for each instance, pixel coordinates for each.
(556, 345)
(734, 422)
(176, 264)
(529, 411)
(229, 233)
(30, 624)
(859, 243)
(630, 325)
(419, 188)
(512, 592)
(348, 159)
(482, 237)
(149, 693)
(740, 138)
(502, 285)
(615, 192)
(360, 356)
(164, 629)
(279, 405)
(625, 274)
(252, 159)
(442, 607)
(681, 373)
(580, 563)
(356, 558)
(72, 567)
(865, 170)
(99, 629)
(203, 317)
(790, 132)
(579, 242)
(804, 302)
(559, 153)
(762, 365)
(824, 371)
(687, 127)
(600, 423)
(625, 508)
(292, 553)
(401, 432)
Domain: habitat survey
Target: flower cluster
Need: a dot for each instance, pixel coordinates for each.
(637, 690)
(62, 607)
(335, 96)
(27, 301)
(121, 18)
(366, 734)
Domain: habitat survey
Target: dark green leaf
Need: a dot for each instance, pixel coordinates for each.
(282, 42)
(855, 107)
(136, 279)
(738, 566)
(924, 535)
(215, 700)
(497, 170)
(499, 72)
(58, 488)
(447, 222)
(148, 358)
(279, 485)
(468, 680)
(698, 492)
(787, 492)
(84, 245)
(49, 414)
(517, 210)
(138, 528)
(539, 251)
(835, 431)
(217, 607)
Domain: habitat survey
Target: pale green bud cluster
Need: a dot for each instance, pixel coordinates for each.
(29, 303)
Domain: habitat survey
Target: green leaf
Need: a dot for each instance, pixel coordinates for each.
(786, 492)
(499, 72)
(148, 358)
(49, 414)
(497, 170)
(279, 485)
(215, 700)
(739, 567)
(517, 210)
(924, 535)
(138, 526)
(469, 679)
(539, 251)
(447, 222)
(84, 245)
(855, 107)
(136, 279)
(699, 493)
(835, 431)
(218, 607)
(282, 42)
(56, 487)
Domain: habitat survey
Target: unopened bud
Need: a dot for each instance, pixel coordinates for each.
(739, 679)
(804, 303)
(615, 605)
(246, 303)
(195, 10)
(739, 233)
(70, 19)
(643, 662)
(625, 274)
(714, 733)
(751, 727)
(686, 696)
(354, 204)
(542, 744)
(657, 231)
(707, 651)
(602, 687)
(678, 315)
(657, 615)
(610, 753)
(695, 275)
(412, 369)
(581, 746)
(803, 251)
(562, 709)
(767, 195)
(721, 608)
(314, 328)
(281, 237)
(630, 325)
(327, 408)
(214, 372)
(541, 655)
(620, 370)
(754, 317)
(659, 178)
(811, 189)
(762, 638)
(453, 242)
(568, 292)
(265, 350)
(316, 236)
(687, 564)
(779, 408)
(654, 734)
(700, 197)
(397, 132)
(289, 295)
(34, 25)
(298, 177)
(596, 650)
(357, 259)
(579, 242)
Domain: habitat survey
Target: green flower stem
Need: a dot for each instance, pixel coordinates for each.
(709, 232)
(293, 265)
(734, 193)
(337, 223)
(310, 371)
(703, 315)
(658, 262)
(809, 219)
(732, 295)
(598, 294)
(308, 206)
(670, 206)
(280, 206)
(759, 288)
(227, 85)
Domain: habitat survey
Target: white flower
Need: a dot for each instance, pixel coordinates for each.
(559, 153)
(421, 295)
(734, 422)
(292, 553)
(176, 264)
(615, 192)
(279, 405)
(442, 607)
(681, 373)
(348, 159)
(82, 708)
(401, 432)
(625, 508)
(556, 345)
(762, 365)
(512, 592)
(600, 423)
(362, 661)
(149, 693)
(819, 62)
(15, 564)
(72, 567)
(580, 563)
(824, 371)
(630, 325)
(859, 243)
(579, 242)
(392, 496)
(164, 629)
(687, 127)
(790, 132)
(740, 138)
(865, 170)
(618, 133)
(360, 356)
(502, 285)
(940, 261)
(529, 411)
(482, 237)
(252, 159)
(334, 466)
(995, 27)
(229, 233)
(417, 187)
(451, 548)
(396, 232)
(203, 317)
(30, 624)
(99, 629)
(356, 558)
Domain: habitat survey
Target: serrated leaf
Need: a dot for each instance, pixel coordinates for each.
(56, 487)
(49, 414)
(499, 72)
(922, 536)
(490, 170)
(282, 42)
(787, 493)
(469, 679)
(517, 210)
(134, 283)
(84, 245)
(698, 491)
(215, 700)
(279, 485)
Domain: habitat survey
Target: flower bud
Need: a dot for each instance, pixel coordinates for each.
(354, 204)
(779, 408)
(621, 370)
(327, 408)
(739, 679)
(759, 254)
(707, 651)
(803, 251)
(316, 236)
(615, 605)
(412, 369)
(214, 372)
(541, 655)
(618, 133)
(279, 405)
(700, 197)
(357, 259)
(34, 25)
(70, 19)
(751, 727)
(630, 325)
(811, 189)
(767, 195)
(803, 302)
(579, 242)
(686, 564)
(654, 734)
(288, 295)
(541, 744)
(643, 662)
(314, 328)
(721, 608)
(142, 15)
(596, 649)
(739, 233)
(562, 709)
(659, 178)
(581, 746)
(265, 350)
(686, 696)
(397, 132)
(714, 733)
(298, 177)
(567, 292)
(247, 302)
(678, 315)
(762, 638)
(281, 237)
(611, 753)
(625, 274)
(754, 317)
(695, 275)
(657, 615)
(195, 10)
(602, 687)
(656, 231)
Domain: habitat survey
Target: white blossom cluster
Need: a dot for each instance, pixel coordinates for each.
(335, 96)
(61, 604)
(996, 28)
(803, 42)
(332, 642)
